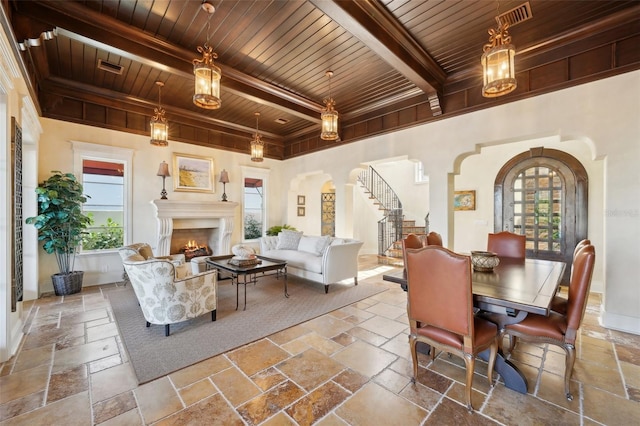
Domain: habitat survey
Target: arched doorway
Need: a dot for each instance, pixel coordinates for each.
(543, 194)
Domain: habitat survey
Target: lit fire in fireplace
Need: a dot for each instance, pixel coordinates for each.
(192, 249)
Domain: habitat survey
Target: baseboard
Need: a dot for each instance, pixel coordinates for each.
(617, 322)
(16, 335)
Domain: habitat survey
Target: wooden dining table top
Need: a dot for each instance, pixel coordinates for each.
(520, 285)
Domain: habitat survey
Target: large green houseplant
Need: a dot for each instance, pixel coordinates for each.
(61, 224)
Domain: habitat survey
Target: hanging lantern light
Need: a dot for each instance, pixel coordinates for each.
(329, 116)
(159, 126)
(207, 75)
(257, 145)
(498, 68)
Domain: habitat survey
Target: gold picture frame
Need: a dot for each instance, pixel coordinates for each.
(301, 200)
(464, 200)
(192, 173)
(300, 211)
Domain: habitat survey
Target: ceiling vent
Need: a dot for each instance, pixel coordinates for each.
(516, 15)
(281, 120)
(109, 67)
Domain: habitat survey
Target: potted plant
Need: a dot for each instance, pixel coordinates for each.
(275, 230)
(61, 224)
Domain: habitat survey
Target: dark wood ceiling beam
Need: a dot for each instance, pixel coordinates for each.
(381, 105)
(561, 45)
(83, 92)
(249, 92)
(378, 29)
(107, 31)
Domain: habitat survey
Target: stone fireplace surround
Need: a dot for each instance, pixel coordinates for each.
(183, 214)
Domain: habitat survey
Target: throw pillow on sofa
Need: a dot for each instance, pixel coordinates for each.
(313, 245)
(288, 240)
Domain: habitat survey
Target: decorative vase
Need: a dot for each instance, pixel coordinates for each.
(65, 284)
(484, 261)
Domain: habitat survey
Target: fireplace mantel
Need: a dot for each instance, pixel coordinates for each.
(169, 210)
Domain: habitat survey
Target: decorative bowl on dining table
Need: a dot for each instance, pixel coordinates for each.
(484, 261)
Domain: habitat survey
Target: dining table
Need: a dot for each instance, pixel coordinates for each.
(506, 295)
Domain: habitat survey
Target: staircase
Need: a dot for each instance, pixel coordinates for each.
(392, 228)
(393, 255)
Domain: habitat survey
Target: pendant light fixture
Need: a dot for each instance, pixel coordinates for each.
(159, 126)
(498, 69)
(257, 145)
(329, 116)
(207, 75)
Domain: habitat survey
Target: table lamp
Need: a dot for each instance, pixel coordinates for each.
(224, 178)
(163, 171)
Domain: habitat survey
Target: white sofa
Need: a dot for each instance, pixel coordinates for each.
(326, 260)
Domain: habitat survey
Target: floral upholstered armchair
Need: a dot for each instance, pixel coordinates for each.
(166, 294)
(144, 250)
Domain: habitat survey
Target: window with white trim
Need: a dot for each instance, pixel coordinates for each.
(105, 174)
(419, 176)
(255, 183)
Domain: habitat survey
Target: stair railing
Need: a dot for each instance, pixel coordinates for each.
(390, 226)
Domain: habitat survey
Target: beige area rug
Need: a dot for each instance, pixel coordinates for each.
(153, 355)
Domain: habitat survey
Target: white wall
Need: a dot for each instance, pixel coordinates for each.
(478, 172)
(56, 154)
(609, 124)
(15, 103)
(579, 117)
(310, 186)
(400, 175)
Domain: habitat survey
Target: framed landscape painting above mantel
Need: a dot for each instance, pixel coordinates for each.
(193, 173)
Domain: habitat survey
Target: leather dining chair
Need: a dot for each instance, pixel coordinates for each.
(440, 310)
(559, 303)
(434, 239)
(557, 329)
(411, 241)
(507, 244)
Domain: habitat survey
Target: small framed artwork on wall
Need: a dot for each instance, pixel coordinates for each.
(464, 200)
(300, 211)
(301, 200)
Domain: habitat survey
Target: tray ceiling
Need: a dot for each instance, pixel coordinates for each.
(396, 63)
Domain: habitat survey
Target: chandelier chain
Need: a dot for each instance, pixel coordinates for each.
(208, 30)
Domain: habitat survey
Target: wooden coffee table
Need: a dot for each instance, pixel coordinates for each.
(249, 274)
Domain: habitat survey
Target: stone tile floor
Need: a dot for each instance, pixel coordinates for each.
(351, 366)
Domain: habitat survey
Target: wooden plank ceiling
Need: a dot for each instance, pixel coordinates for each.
(396, 63)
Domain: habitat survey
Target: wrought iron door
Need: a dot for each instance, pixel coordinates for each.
(542, 194)
(17, 281)
(328, 205)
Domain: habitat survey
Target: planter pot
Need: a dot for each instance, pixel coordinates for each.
(64, 284)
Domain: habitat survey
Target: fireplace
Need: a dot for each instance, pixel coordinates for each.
(209, 223)
(193, 242)
(193, 249)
